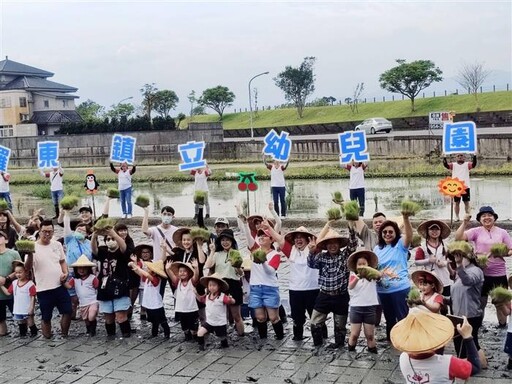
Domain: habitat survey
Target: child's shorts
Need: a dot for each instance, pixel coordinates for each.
(264, 296)
(360, 315)
(218, 330)
(156, 315)
(88, 311)
(188, 320)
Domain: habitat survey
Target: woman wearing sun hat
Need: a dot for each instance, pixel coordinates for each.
(329, 255)
(419, 335)
(431, 255)
(303, 281)
(484, 237)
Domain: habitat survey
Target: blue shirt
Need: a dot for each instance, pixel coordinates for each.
(75, 249)
(394, 258)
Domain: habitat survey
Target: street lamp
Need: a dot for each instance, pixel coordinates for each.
(250, 99)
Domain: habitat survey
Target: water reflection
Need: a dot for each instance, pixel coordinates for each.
(309, 198)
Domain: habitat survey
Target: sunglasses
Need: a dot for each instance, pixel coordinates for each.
(386, 232)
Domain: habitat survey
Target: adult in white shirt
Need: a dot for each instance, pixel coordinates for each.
(50, 271)
(460, 170)
(277, 184)
(124, 178)
(356, 184)
(56, 186)
(162, 233)
(4, 188)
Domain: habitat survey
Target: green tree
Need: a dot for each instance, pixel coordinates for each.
(117, 111)
(165, 101)
(198, 110)
(410, 79)
(148, 98)
(297, 83)
(217, 98)
(90, 110)
(179, 119)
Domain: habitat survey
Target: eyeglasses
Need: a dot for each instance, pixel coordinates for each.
(390, 232)
(46, 232)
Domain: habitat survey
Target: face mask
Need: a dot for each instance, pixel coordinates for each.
(465, 262)
(166, 219)
(112, 244)
(79, 235)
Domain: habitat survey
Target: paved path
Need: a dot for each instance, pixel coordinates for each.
(140, 359)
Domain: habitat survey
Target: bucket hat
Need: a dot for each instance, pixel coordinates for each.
(486, 209)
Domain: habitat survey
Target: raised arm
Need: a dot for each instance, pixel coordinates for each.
(276, 217)
(200, 252)
(286, 164)
(94, 243)
(145, 220)
(324, 230)
(132, 171)
(460, 234)
(278, 238)
(118, 239)
(473, 161)
(407, 236)
(17, 226)
(113, 169)
(67, 223)
(210, 261)
(445, 163)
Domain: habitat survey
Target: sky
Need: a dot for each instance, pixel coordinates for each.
(109, 50)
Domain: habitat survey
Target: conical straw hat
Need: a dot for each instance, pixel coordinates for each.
(218, 278)
(156, 267)
(330, 235)
(175, 267)
(82, 261)
(421, 332)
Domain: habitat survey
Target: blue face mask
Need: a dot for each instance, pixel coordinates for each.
(79, 235)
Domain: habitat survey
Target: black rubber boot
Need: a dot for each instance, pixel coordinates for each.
(278, 330)
(262, 330)
(87, 329)
(352, 348)
(298, 332)
(325, 334)
(316, 334)
(372, 350)
(126, 328)
(33, 330)
(282, 314)
(340, 330)
(57, 211)
(188, 336)
(92, 327)
(224, 343)
(23, 329)
(154, 329)
(111, 329)
(167, 330)
(200, 341)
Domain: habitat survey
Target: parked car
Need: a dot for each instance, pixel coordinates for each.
(374, 125)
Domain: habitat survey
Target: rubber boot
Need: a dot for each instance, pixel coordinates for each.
(262, 330)
(126, 328)
(154, 329)
(298, 332)
(57, 211)
(325, 334)
(316, 334)
(87, 329)
(278, 330)
(282, 314)
(111, 329)
(33, 330)
(200, 341)
(224, 343)
(188, 336)
(23, 329)
(167, 330)
(340, 330)
(92, 327)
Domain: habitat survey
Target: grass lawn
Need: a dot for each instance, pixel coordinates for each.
(491, 101)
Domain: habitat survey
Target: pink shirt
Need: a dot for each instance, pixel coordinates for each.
(483, 240)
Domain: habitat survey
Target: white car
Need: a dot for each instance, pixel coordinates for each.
(374, 125)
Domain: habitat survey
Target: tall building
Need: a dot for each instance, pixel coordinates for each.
(30, 104)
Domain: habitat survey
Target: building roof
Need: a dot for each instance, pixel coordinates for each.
(37, 84)
(55, 117)
(9, 67)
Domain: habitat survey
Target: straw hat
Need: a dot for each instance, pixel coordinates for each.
(424, 226)
(429, 277)
(290, 236)
(176, 236)
(176, 265)
(247, 265)
(251, 219)
(222, 283)
(422, 331)
(82, 261)
(371, 257)
(156, 267)
(330, 235)
(138, 249)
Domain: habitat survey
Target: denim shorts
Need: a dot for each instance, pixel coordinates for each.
(264, 296)
(18, 317)
(115, 305)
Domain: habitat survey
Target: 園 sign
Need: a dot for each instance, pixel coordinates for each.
(247, 182)
(123, 149)
(5, 154)
(277, 146)
(459, 137)
(192, 154)
(353, 146)
(47, 154)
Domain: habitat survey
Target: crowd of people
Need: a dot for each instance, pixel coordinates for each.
(356, 274)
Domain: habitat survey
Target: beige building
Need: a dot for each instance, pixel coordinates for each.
(30, 104)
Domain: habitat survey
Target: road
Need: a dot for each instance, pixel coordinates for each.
(438, 132)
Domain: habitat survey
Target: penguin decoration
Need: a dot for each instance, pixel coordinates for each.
(91, 185)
